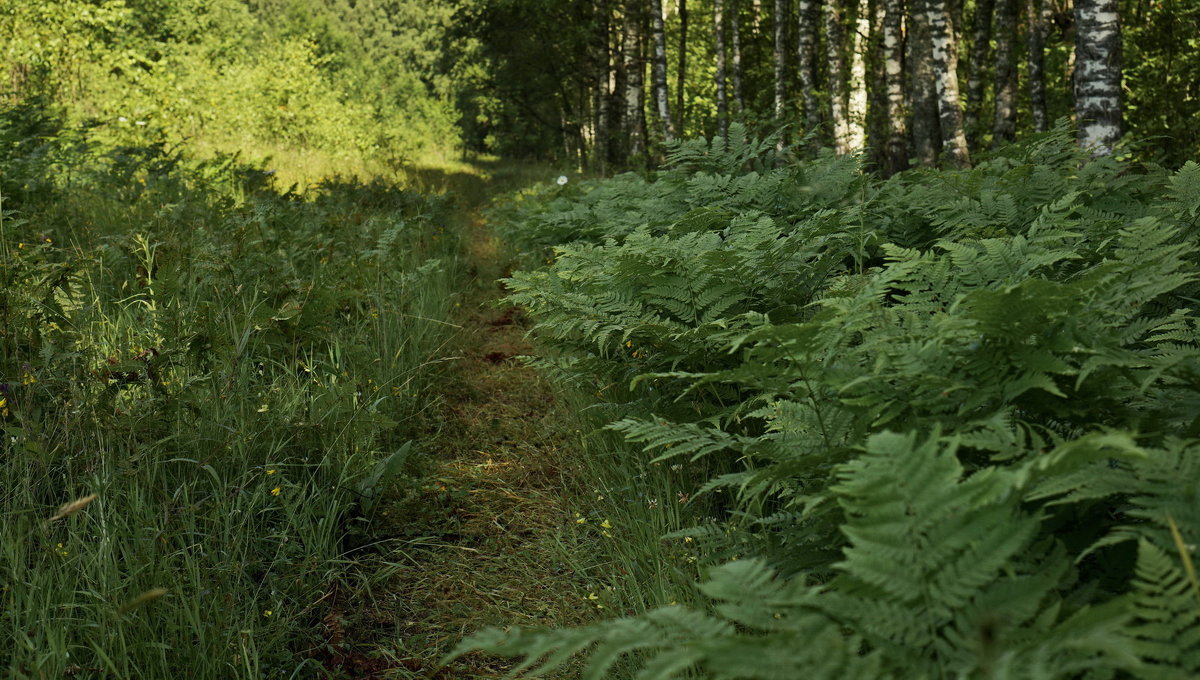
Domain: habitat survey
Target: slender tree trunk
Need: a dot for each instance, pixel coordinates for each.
(981, 35)
(719, 33)
(661, 96)
(1004, 126)
(1038, 16)
(835, 35)
(877, 121)
(806, 47)
(780, 58)
(945, 69)
(856, 105)
(1098, 75)
(681, 75)
(893, 59)
(602, 93)
(633, 115)
(926, 128)
(735, 39)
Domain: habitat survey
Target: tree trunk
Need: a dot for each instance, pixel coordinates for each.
(856, 105)
(634, 115)
(602, 93)
(661, 96)
(806, 47)
(719, 33)
(735, 38)
(681, 75)
(1098, 75)
(1004, 126)
(981, 35)
(896, 158)
(945, 71)
(1038, 16)
(780, 58)
(834, 40)
(926, 129)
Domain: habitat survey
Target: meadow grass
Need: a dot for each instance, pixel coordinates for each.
(221, 366)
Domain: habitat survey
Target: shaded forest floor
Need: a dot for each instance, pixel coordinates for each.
(482, 537)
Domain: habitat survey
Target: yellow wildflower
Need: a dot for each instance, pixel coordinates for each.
(276, 490)
(606, 524)
(267, 613)
(271, 472)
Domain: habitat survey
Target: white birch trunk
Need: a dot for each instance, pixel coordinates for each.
(659, 71)
(1098, 75)
(945, 69)
(856, 105)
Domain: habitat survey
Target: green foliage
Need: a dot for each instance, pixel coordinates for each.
(231, 76)
(945, 407)
(221, 364)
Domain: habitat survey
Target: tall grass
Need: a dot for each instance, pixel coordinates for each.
(220, 365)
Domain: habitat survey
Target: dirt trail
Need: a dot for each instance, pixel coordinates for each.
(480, 540)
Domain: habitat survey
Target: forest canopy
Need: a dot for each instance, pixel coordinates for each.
(604, 83)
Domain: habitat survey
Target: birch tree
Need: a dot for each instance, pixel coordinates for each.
(681, 70)
(896, 156)
(977, 70)
(856, 96)
(633, 119)
(945, 78)
(1098, 75)
(1004, 124)
(780, 57)
(602, 90)
(1038, 17)
(806, 47)
(659, 71)
(834, 41)
(735, 39)
(719, 35)
(925, 127)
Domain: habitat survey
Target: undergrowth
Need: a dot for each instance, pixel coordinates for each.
(223, 376)
(942, 425)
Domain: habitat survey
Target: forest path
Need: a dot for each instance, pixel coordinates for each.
(480, 538)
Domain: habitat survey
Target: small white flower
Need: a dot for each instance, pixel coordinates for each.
(122, 119)
(140, 122)
(562, 179)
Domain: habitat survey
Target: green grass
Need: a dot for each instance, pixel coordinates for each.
(221, 366)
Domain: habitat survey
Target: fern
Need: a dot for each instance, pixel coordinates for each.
(942, 410)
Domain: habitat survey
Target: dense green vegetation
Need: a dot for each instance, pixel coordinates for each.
(296, 81)
(226, 368)
(940, 425)
(840, 382)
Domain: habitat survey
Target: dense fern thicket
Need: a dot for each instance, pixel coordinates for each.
(949, 419)
(229, 372)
